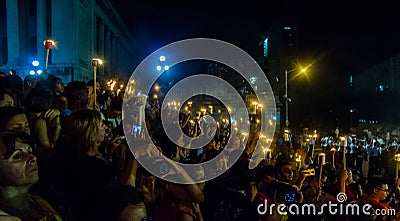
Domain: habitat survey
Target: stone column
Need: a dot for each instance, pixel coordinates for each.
(100, 38)
(107, 52)
(113, 60)
(12, 32)
(41, 31)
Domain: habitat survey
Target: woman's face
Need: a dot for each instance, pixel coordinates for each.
(8, 101)
(20, 168)
(19, 123)
(102, 132)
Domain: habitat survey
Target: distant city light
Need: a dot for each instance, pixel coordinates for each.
(266, 47)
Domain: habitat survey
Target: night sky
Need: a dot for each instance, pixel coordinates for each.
(345, 37)
(349, 34)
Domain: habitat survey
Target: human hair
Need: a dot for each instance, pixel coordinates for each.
(8, 140)
(83, 128)
(7, 113)
(374, 183)
(39, 99)
(278, 166)
(30, 81)
(77, 94)
(2, 93)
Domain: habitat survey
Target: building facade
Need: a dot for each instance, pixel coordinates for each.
(81, 30)
(277, 53)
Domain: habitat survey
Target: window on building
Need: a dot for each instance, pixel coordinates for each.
(266, 47)
(351, 80)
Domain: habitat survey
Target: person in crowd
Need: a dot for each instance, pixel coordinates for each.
(93, 101)
(6, 99)
(114, 113)
(77, 95)
(286, 190)
(376, 191)
(53, 83)
(91, 181)
(13, 119)
(30, 82)
(18, 172)
(14, 86)
(61, 104)
(264, 176)
(343, 185)
(44, 120)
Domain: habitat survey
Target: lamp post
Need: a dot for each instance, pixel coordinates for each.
(95, 63)
(48, 44)
(287, 99)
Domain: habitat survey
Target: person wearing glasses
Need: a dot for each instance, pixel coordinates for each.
(376, 191)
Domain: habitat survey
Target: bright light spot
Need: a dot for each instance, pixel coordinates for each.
(39, 72)
(32, 72)
(96, 61)
(162, 58)
(35, 63)
(158, 68)
(253, 80)
(166, 67)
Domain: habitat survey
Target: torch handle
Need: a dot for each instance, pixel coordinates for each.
(47, 58)
(344, 158)
(396, 176)
(320, 177)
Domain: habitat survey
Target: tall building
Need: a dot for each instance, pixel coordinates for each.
(81, 30)
(380, 84)
(277, 54)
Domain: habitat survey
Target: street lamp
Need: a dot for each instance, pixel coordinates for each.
(287, 99)
(95, 63)
(48, 44)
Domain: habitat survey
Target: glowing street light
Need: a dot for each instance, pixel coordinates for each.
(95, 63)
(287, 99)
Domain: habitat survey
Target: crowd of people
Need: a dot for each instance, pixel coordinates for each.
(64, 156)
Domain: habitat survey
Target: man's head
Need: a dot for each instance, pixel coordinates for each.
(284, 172)
(77, 95)
(377, 189)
